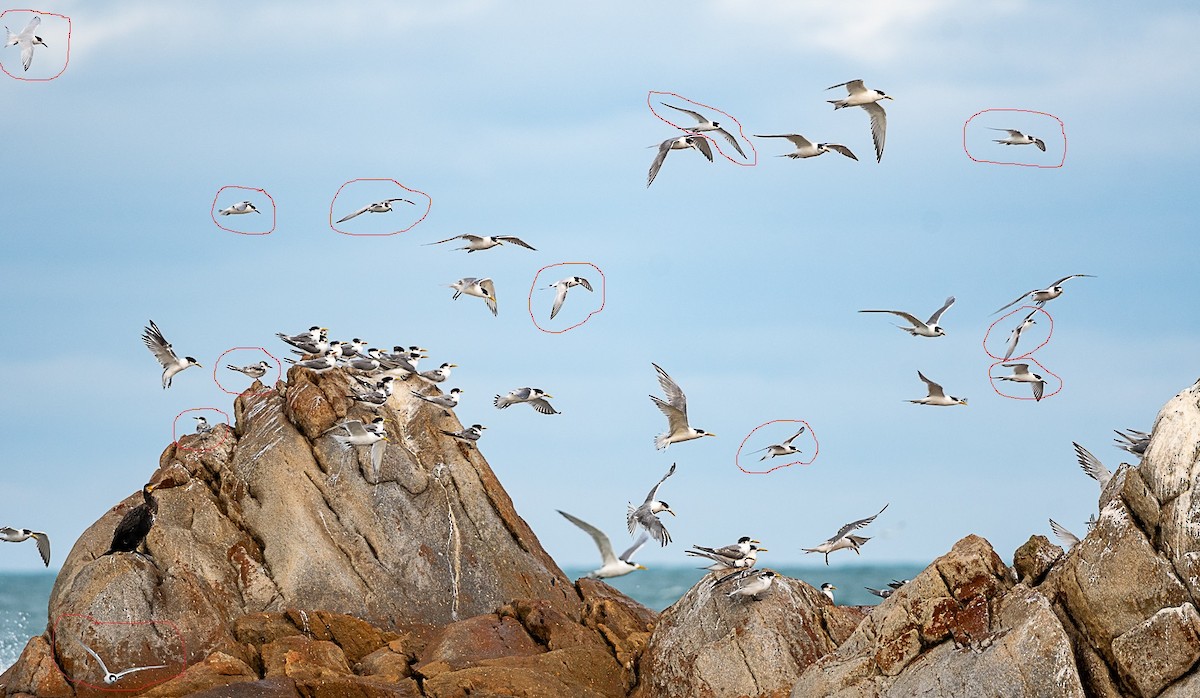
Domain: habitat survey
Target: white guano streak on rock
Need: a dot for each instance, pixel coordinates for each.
(453, 542)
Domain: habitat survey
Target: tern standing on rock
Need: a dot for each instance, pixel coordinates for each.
(860, 96)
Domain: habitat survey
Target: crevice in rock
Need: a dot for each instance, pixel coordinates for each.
(336, 543)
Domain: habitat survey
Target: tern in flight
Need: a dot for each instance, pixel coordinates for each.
(26, 40)
(703, 123)
(19, 535)
(646, 514)
(480, 288)
(239, 208)
(843, 539)
(1015, 137)
(781, 449)
(1021, 374)
(936, 395)
(475, 243)
(561, 294)
(1015, 335)
(384, 206)
(161, 348)
(110, 677)
(535, 397)
(860, 96)
(612, 566)
(807, 149)
(929, 328)
(681, 143)
(675, 409)
(1046, 294)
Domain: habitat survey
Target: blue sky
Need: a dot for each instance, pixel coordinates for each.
(743, 283)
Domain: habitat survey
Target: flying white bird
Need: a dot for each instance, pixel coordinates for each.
(843, 540)
(1015, 335)
(561, 294)
(384, 206)
(112, 677)
(703, 123)
(781, 449)
(161, 348)
(929, 328)
(936, 395)
(239, 208)
(645, 515)
(19, 535)
(1021, 374)
(681, 143)
(860, 96)
(475, 243)
(535, 397)
(675, 410)
(359, 434)
(1069, 539)
(480, 288)
(807, 149)
(612, 566)
(26, 40)
(1092, 465)
(1015, 137)
(1046, 294)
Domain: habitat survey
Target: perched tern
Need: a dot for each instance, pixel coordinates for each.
(202, 425)
(315, 334)
(675, 409)
(807, 149)
(929, 328)
(1046, 294)
(476, 243)
(322, 363)
(680, 143)
(1021, 374)
(255, 371)
(26, 40)
(781, 449)
(749, 583)
(161, 348)
(384, 206)
(19, 535)
(1133, 441)
(1069, 539)
(881, 593)
(355, 348)
(612, 566)
(561, 294)
(645, 514)
(1015, 335)
(536, 397)
(1092, 465)
(239, 208)
(359, 434)
(480, 288)
(860, 96)
(437, 375)
(827, 589)
(936, 395)
(446, 402)
(470, 434)
(897, 583)
(377, 397)
(703, 123)
(843, 539)
(1015, 137)
(111, 677)
(721, 563)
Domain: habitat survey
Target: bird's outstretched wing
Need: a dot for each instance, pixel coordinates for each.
(933, 319)
(1069, 539)
(602, 542)
(675, 396)
(935, 390)
(654, 490)
(854, 526)
(490, 288)
(907, 316)
(560, 295)
(878, 127)
(159, 346)
(1092, 465)
(843, 150)
(516, 241)
(359, 212)
(793, 437)
(627, 556)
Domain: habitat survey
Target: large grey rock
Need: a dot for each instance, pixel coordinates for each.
(1158, 651)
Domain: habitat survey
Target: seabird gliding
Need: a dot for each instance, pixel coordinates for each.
(612, 566)
(675, 410)
(843, 539)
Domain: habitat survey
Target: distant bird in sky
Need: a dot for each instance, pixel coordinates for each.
(1021, 374)
(446, 402)
(1068, 539)
(868, 99)
(480, 288)
(202, 425)
(475, 243)
(470, 434)
(1015, 336)
(827, 589)
(703, 123)
(675, 410)
(781, 449)
(561, 291)
(131, 532)
(384, 206)
(161, 348)
(680, 143)
(752, 583)
(19, 535)
(26, 39)
(254, 371)
(645, 515)
(611, 565)
(535, 397)
(937, 396)
(1092, 465)
(1046, 294)
(807, 149)
(843, 539)
(929, 328)
(1015, 137)
(239, 208)
(112, 677)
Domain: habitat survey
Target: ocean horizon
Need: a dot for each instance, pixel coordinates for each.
(24, 603)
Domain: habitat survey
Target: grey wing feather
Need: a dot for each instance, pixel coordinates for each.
(907, 316)
(585, 283)
(158, 345)
(654, 490)
(637, 545)
(878, 127)
(1018, 300)
(699, 119)
(516, 241)
(733, 141)
(43, 546)
(606, 551)
(705, 148)
(1070, 539)
(933, 319)
(663, 149)
(542, 406)
(675, 396)
(1092, 465)
(456, 237)
(793, 437)
(559, 297)
(837, 147)
(359, 212)
(854, 526)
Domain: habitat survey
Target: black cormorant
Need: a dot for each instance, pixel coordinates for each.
(132, 530)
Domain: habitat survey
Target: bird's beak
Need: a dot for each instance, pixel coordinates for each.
(755, 541)
(151, 488)
(453, 365)
(548, 395)
(669, 512)
(889, 97)
(709, 433)
(762, 550)
(641, 567)
(832, 587)
(324, 329)
(962, 401)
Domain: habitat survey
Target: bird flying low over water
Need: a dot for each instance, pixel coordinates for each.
(698, 142)
(535, 397)
(868, 99)
(1046, 294)
(1021, 374)
(161, 348)
(611, 565)
(703, 123)
(781, 449)
(807, 149)
(645, 515)
(1015, 137)
(675, 410)
(475, 243)
(929, 328)
(239, 208)
(843, 539)
(26, 39)
(111, 677)
(1015, 335)
(936, 395)
(255, 371)
(384, 206)
(480, 288)
(19, 535)
(561, 294)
